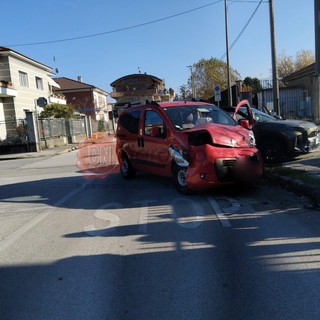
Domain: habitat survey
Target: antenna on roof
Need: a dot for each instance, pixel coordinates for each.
(56, 69)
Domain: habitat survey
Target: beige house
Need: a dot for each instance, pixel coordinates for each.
(22, 82)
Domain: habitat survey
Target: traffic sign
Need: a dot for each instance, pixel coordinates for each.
(42, 102)
(217, 93)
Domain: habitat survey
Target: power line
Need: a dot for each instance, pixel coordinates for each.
(116, 30)
(245, 26)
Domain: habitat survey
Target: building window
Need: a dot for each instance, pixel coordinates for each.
(23, 78)
(39, 83)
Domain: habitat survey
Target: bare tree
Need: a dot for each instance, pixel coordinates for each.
(303, 59)
(287, 65)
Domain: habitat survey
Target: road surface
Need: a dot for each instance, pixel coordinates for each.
(75, 247)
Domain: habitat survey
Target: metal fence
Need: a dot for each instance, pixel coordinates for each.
(295, 101)
(14, 132)
(55, 128)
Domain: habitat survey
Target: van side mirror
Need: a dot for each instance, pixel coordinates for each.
(245, 124)
(155, 132)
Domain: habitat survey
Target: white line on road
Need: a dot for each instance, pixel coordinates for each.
(218, 211)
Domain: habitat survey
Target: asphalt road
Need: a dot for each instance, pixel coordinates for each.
(74, 247)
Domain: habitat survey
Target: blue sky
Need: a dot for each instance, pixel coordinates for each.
(164, 48)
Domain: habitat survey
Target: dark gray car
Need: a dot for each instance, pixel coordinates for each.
(279, 139)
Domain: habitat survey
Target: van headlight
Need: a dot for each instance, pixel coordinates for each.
(177, 157)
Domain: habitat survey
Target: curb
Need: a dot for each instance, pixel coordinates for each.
(39, 154)
(298, 186)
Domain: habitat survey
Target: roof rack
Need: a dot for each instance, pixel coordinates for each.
(148, 101)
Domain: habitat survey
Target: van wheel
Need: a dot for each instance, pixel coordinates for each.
(272, 151)
(179, 178)
(126, 168)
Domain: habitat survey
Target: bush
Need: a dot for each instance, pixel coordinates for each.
(101, 127)
(56, 110)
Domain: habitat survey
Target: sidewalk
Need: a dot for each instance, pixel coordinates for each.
(58, 150)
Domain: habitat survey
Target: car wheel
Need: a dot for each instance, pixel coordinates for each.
(126, 168)
(179, 177)
(272, 151)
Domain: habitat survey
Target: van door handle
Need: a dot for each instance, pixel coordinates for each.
(140, 142)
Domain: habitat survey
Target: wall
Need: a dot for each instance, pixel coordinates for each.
(3, 130)
(82, 101)
(27, 96)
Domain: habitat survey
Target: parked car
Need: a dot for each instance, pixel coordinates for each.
(278, 139)
(196, 143)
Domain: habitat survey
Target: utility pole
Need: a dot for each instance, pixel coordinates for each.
(317, 34)
(227, 52)
(316, 100)
(275, 85)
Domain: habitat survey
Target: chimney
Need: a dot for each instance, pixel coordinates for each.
(80, 78)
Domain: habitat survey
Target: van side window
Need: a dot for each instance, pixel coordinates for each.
(154, 125)
(130, 121)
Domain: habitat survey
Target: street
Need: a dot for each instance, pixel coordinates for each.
(74, 245)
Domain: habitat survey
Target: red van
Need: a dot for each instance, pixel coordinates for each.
(196, 143)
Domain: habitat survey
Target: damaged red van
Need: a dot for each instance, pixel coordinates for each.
(196, 143)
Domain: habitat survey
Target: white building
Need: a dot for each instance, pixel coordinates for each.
(22, 82)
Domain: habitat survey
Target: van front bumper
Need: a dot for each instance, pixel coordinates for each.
(244, 165)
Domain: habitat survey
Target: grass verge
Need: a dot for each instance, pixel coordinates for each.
(295, 174)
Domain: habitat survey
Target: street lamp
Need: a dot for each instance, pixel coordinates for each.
(192, 82)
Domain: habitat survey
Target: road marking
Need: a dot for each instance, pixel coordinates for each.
(194, 220)
(106, 215)
(143, 214)
(218, 211)
(234, 205)
(7, 242)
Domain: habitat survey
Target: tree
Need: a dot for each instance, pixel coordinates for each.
(185, 92)
(253, 83)
(207, 73)
(287, 65)
(304, 58)
(56, 110)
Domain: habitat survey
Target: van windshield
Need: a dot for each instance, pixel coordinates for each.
(186, 117)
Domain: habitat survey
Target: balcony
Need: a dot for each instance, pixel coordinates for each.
(59, 99)
(7, 90)
(137, 93)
